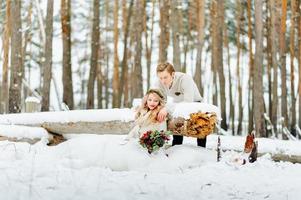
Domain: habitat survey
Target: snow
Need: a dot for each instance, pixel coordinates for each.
(184, 109)
(90, 166)
(17, 131)
(98, 167)
(125, 114)
(32, 99)
(97, 115)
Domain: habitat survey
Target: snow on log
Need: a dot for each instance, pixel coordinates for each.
(98, 121)
(19, 133)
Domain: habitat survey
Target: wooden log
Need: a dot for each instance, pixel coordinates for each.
(98, 121)
(285, 157)
(13, 139)
(108, 127)
(277, 157)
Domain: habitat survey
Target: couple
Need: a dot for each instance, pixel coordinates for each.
(152, 113)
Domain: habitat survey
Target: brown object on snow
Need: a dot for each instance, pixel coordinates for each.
(249, 144)
(199, 125)
(251, 147)
(253, 155)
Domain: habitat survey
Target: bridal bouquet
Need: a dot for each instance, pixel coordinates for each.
(154, 140)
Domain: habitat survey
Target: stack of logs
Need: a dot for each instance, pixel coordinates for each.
(199, 125)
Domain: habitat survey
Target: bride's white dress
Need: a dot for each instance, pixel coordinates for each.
(143, 125)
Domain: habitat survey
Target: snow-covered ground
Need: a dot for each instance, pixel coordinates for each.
(99, 167)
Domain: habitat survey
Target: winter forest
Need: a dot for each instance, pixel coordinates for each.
(74, 73)
(244, 55)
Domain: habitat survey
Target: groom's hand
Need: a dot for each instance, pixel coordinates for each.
(162, 115)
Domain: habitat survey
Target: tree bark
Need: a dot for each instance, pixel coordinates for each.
(27, 39)
(94, 55)
(299, 59)
(269, 57)
(217, 53)
(67, 69)
(123, 88)
(292, 54)
(109, 127)
(251, 67)
(99, 79)
(138, 87)
(232, 111)
(149, 45)
(107, 55)
(6, 40)
(164, 27)
(274, 6)
(283, 64)
(175, 28)
(200, 43)
(116, 60)
(47, 64)
(239, 17)
(16, 59)
(258, 85)
(213, 26)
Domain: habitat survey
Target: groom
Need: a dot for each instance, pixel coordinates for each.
(182, 88)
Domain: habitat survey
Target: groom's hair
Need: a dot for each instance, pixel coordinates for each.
(165, 66)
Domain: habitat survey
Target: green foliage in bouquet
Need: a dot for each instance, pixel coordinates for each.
(153, 140)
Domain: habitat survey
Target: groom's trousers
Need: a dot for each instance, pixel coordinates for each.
(178, 139)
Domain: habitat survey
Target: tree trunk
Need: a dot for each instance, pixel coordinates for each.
(67, 69)
(213, 50)
(16, 59)
(217, 53)
(274, 46)
(6, 40)
(185, 45)
(149, 47)
(94, 55)
(107, 56)
(200, 43)
(269, 57)
(175, 28)
(251, 67)
(299, 59)
(138, 88)
(232, 111)
(292, 53)
(258, 85)
(116, 60)
(124, 64)
(239, 17)
(47, 64)
(27, 39)
(164, 27)
(283, 64)
(99, 79)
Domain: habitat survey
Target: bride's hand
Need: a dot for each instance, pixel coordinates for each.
(162, 115)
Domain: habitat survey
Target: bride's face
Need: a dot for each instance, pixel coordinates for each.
(152, 101)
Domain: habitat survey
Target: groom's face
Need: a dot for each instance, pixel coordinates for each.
(165, 78)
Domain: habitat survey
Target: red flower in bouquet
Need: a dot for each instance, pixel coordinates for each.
(154, 140)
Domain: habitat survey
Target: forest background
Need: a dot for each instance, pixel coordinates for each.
(245, 56)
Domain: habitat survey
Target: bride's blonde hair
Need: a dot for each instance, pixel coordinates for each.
(143, 108)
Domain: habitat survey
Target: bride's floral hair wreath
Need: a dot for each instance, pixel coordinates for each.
(154, 113)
